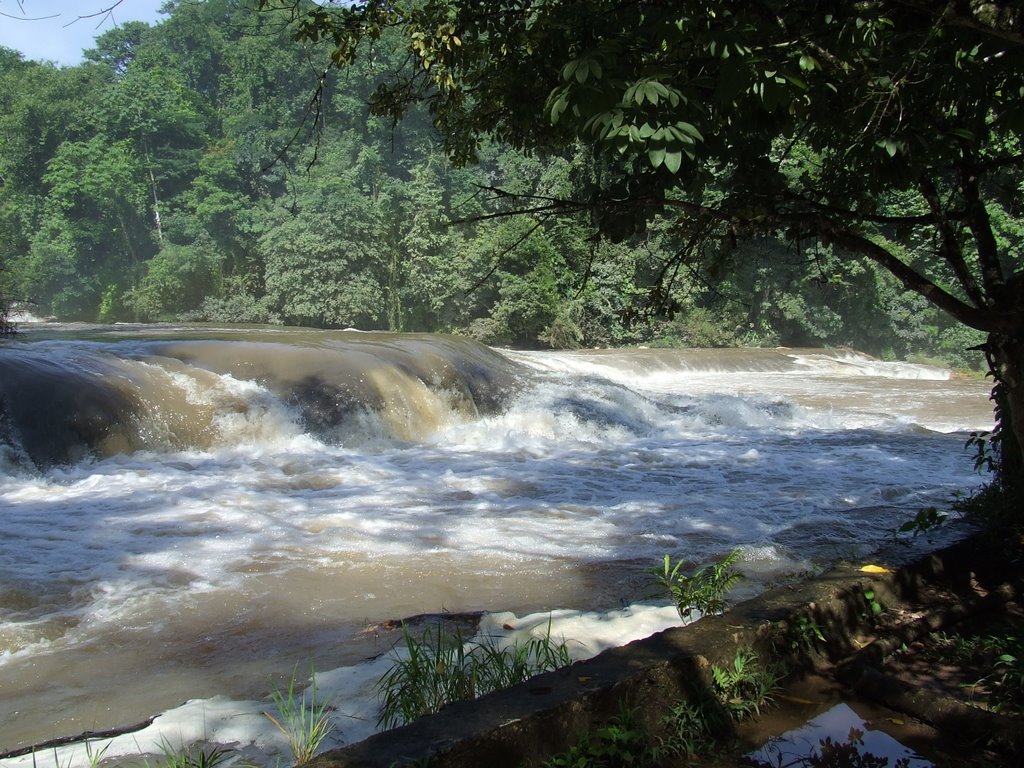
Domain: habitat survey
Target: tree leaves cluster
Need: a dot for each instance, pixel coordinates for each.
(885, 130)
(172, 176)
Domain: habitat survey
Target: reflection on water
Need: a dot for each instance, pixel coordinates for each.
(838, 738)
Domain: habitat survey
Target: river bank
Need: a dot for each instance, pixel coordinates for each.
(861, 660)
(845, 664)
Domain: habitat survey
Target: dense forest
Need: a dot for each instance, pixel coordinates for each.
(207, 169)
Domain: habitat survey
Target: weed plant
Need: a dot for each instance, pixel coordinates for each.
(691, 727)
(999, 654)
(746, 685)
(805, 635)
(189, 757)
(93, 757)
(498, 667)
(435, 673)
(304, 718)
(702, 590)
(442, 667)
(620, 743)
(924, 522)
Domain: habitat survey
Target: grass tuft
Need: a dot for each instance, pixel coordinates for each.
(442, 667)
(303, 717)
(189, 757)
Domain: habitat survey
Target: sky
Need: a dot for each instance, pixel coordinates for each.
(51, 30)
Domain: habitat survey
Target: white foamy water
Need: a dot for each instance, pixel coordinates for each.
(230, 541)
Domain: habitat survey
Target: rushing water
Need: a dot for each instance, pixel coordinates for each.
(189, 512)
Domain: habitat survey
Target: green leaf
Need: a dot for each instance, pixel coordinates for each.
(690, 129)
(583, 72)
(657, 156)
(889, 145)
(559, 106)
(808, 63)
(659, 88)
(674, 160)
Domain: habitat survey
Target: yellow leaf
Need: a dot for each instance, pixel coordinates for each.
(874, 569)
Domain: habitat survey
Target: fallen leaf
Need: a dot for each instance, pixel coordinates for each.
(874, 569)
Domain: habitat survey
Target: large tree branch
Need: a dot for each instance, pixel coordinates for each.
(979, 318)
(949, 243)
(1006, 318)
(978, 221)
(859, 216)
(1002, 319)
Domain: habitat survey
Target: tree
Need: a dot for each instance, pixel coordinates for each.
(902, 119)
(117, 47)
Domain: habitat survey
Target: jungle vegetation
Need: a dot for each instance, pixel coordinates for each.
(208, 167)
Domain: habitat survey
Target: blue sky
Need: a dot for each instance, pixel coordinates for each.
(60, 38)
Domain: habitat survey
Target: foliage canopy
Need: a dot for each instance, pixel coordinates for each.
(859, 125)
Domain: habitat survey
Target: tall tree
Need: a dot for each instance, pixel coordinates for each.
(699, 106)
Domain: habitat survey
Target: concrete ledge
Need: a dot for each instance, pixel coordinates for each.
(548, 713)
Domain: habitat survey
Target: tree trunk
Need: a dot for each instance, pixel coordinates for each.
(127, 240)
(156, 208)
(1006, 359)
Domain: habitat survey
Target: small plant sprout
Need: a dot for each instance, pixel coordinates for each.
(303, 717)
(94, 756)
(874, 608)
(805, 634)
(702, 590)
(56, 760)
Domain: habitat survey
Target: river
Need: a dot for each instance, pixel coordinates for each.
(191, 512)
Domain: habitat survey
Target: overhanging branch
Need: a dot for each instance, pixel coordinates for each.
(813, 220)
(981, 319)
